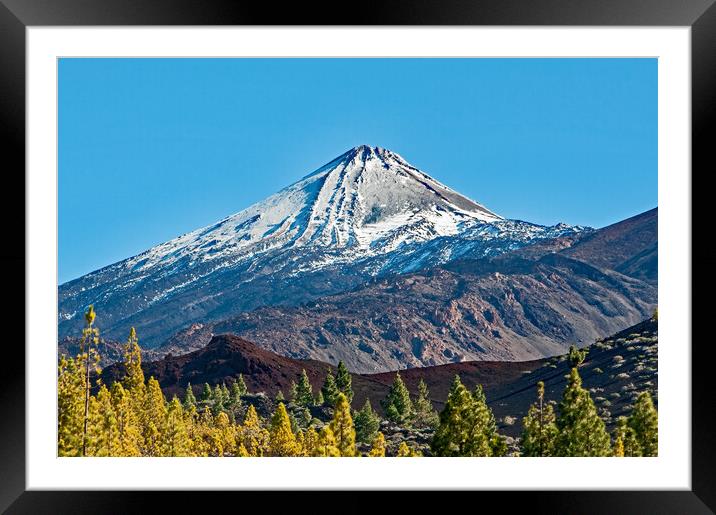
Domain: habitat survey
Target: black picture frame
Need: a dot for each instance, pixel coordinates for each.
(17, 15)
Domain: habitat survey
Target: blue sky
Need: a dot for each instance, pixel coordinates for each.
(153, 148)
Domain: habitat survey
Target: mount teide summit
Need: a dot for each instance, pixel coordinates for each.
(365, 214)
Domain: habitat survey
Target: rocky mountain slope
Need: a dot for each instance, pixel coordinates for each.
(525, 304)
(629, 247)
(367, 213)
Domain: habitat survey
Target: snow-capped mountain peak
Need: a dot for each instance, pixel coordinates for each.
(366, 213)
(354, 201)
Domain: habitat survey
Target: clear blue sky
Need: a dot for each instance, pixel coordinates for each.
(153, 148)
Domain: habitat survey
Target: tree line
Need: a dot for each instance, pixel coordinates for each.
(132, 417)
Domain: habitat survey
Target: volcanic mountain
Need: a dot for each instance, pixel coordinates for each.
(366, 214)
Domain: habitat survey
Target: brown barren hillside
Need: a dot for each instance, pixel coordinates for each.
(616, 369)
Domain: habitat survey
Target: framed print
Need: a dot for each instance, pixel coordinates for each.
(251, 245)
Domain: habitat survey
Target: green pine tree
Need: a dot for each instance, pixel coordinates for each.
(644, 420)
(241, 385)
(206, 394)
(344, 381)
(397, 405)
(452, 437)
(581, 431)
(467, 426)
(304, 390)
(486, 427)
(330, 390)
(367, 423)
(625, 440)
(292, 393)
(425, 415)
(539, 428)
(319, 401)
(235, 395)
(189, 399)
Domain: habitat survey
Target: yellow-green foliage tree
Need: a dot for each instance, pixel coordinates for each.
(281, 438)
(625, 437)
(222, 436)
(252, 435)
(153, 419)
(133, 374)
(326, 446)
(175, 440)
(89, 358)
(310, 441)
(377, 450)
(342, 427)
(405, 451)
(128, 432)
(103, 433)
(70, 405)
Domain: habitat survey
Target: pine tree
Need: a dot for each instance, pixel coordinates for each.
(425, 415)
(344, 381)
(319, 401)
(292, 393)
(485, 428)
(189, 399)
(155, 414)
(304, 390)
(644, 420)
(310, 441)
(367, 423)
(326, 446)
(218, 398)
(404, 451)
(330, 390)
(576, 356)
(235, 396)
(581, 431)
(378, 447)
(102, 434)
(280, 397)
(618, 448)
(206, 395)
(70, 407)
(451, 436)
(397, 405)
(342, 427)
(133, 380)
(625, 441)
(89, 356)
(128, 431)
(133, 374)
(241, 385)
(539, 429)
(281, 438)
(223, 435)
(467, 426)
(254, 437)
(175, 440)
